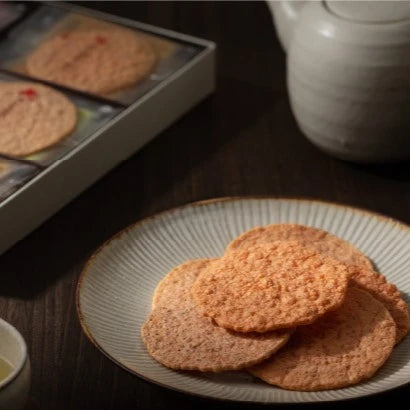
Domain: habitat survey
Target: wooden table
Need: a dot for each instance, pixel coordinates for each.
(241, 141)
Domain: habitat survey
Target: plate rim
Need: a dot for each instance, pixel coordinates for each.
(385, 218)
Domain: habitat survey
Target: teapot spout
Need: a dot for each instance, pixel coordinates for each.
(285, 16)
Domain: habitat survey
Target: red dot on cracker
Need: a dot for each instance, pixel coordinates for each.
(100, 39)
(29, 92)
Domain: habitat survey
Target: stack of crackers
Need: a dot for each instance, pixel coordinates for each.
(294, 305)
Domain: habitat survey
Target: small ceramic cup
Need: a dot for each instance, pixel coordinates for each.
(15, 387)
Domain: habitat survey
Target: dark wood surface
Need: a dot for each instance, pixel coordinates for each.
(241, 141)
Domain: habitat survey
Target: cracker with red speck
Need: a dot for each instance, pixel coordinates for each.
(30, 93)
(33, 117)
(95, 61)
(177, 335)
(270, 286)
(343, 348)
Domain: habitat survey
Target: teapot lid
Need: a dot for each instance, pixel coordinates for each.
(371, 11)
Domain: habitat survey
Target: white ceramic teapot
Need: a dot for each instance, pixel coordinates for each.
(348, 74)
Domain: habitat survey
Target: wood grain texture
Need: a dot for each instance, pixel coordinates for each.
(241, 141)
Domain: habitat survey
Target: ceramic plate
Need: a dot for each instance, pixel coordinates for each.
(116, 286)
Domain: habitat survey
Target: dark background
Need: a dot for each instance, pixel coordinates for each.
(241, 141)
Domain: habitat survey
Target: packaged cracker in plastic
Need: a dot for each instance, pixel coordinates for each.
(92, 55)
(41, 124)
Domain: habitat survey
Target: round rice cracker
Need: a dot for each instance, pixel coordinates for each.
(270, 286)
(386, 293)
(360, 267)
(343, 348)
(33, 117)
(95, 61)
(175, 287)
(178, 336)
(322, 241)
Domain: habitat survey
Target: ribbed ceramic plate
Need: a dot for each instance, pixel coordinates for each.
(116, 286)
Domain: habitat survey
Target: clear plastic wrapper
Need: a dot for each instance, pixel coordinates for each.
(10, 12)
(48, 21)
(13, 175)
(91, 115)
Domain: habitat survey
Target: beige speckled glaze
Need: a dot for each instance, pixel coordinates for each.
(116, 287)
(348, 75)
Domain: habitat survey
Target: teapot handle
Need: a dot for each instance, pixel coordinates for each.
(285, 16)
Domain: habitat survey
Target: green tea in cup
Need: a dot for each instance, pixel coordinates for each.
(14, 368)
(5, 369)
